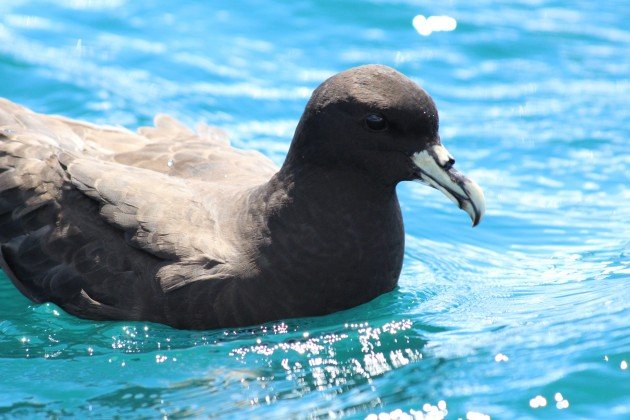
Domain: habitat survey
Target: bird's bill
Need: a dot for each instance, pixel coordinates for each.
(434, 167)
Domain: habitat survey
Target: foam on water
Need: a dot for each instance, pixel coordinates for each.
(524, 316)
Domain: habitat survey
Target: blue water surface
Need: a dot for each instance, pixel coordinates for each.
(526, 316)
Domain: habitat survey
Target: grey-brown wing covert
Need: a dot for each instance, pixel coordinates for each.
(88, 210)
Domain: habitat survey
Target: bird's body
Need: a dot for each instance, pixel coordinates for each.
(177, 227)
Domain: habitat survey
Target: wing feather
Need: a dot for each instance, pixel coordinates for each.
(86, 210)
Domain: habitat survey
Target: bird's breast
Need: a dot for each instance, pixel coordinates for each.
(321, 262)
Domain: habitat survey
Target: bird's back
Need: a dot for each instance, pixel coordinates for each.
(106, 222)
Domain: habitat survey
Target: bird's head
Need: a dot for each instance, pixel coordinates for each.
(375, 120)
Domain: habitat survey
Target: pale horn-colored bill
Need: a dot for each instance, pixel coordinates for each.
(435, 168)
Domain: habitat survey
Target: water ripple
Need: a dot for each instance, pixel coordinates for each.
(523, 316)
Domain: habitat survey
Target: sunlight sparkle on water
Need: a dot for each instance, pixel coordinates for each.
(502, 320)
(538, 401)
(426, 26)
(500, 357)
(428, 412)
(473, 415)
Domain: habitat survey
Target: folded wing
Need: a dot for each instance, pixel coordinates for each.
(87, 210)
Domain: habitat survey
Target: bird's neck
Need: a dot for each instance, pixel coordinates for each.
(335, 237)
(338, 187)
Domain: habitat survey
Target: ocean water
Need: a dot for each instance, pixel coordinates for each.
(525, 316)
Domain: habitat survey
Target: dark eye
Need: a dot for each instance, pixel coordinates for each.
(376, 122)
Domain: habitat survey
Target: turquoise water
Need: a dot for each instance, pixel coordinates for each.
(526, 316)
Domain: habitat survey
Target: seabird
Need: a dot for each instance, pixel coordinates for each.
(177, 227)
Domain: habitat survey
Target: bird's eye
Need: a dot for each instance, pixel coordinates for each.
(376, 122)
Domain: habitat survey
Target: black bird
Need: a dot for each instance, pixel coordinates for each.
(176, 227)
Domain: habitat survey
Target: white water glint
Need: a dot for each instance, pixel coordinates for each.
(426, 26)
(523, 316)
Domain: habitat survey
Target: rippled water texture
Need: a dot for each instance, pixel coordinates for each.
(527, 315)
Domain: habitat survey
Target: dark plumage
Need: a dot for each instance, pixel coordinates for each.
(177, 227)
